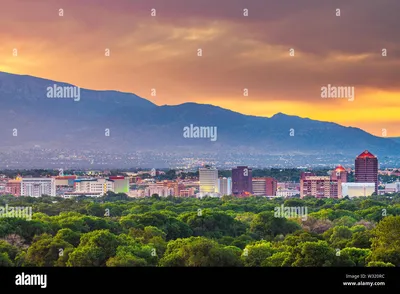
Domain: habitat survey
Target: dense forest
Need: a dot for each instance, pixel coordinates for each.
(119, 231)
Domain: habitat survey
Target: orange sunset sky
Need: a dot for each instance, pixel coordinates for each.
(238, 52)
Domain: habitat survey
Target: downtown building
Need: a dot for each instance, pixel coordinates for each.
(357, 189)
(266, 186)
(242, 184)
(225, 186)
(366, 169)
(323, 186)
(36, 187)
(91, 187)
(208, 178)
(121, 184)
(13, 187)
(65, 184)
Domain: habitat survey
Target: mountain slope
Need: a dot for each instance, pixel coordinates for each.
(135, 123)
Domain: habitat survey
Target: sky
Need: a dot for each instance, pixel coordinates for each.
(238, 52)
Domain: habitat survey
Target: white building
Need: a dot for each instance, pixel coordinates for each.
(208, 181)
(160, 190)
(357, 189)
(93, 186)
(225, 186)
(392, 187)
(201, 195)
(36, 187)
(286, 193)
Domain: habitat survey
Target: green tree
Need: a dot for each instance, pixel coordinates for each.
(254, 255)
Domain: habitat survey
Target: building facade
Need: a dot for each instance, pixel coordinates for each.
(358, 189)
(242, 184)
(13, 187)
(93, 186)
(121, 184)
(225, 186)
(366, 169)
(36, 187)
(208, 178)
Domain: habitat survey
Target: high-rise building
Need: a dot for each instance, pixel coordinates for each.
(323, 186)
(312, 185)
(338, 176)
(242, 184)
(225, 186)
(208, 181)
(366, 165)
(36, 187)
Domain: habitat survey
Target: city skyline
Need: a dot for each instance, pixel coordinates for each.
(160, 52)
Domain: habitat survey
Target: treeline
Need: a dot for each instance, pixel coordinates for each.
(119, 231)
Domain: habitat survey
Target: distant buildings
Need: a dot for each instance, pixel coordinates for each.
(242, 184)
(160, 190)
(323, 186)
(36, 187)
(312, 185)
(392, 187)
(225, 186)
(93, 187)
(121, 184)
(208, 178)
(357, 189)
(13, 187)
(366, 169)
(188, 192)
(65, 184)
(287, 193)
(266, 186)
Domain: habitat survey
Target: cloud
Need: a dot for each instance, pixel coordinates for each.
(238, 52)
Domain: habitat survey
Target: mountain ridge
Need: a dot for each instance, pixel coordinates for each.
(135, 123)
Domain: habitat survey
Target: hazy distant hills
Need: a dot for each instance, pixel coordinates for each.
(135, 123)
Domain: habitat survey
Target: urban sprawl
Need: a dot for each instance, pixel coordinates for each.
(241, 184)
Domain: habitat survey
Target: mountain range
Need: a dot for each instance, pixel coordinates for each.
(28, 118)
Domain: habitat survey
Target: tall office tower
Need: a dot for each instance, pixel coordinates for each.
(242, 185)
(366, 165)
(36, 187)
(225, 186)
(208, 180)
(338, 176)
